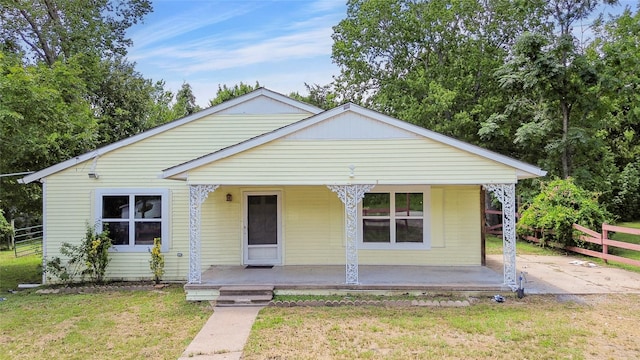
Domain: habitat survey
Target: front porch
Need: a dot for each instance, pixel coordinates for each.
(375, 279)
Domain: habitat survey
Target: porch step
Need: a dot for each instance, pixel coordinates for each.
(244, 295)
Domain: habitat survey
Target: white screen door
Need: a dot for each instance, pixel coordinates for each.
(262, 229)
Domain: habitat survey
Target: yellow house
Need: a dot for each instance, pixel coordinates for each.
(264, 179)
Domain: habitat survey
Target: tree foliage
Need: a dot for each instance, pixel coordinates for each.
(429, 62)
(67, 87)
(551, 83)
(52, 30)
(185, 102)
(560, 204)
(322, 96)
(44, 117)
(225, 93)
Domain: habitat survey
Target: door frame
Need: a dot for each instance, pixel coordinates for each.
(245, 232)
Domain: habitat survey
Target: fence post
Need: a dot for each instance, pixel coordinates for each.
(605, 246)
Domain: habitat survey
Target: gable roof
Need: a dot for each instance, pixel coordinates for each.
(225, 107)
(524, 170)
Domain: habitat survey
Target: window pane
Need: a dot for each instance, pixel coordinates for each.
(147, 231)
(148, 207)
(376, 231)
(409, 204)
(118, 232)
(262, 218)
(115, 207)
(376, 204)
(409, 230)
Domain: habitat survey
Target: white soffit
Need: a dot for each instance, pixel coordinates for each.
(351, 126)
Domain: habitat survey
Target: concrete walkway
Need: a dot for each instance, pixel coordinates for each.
(224, 335)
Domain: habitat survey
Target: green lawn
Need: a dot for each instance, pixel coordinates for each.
(493, 245)
(22, 270)
(536, 327)
(634, 239)
(145, 324)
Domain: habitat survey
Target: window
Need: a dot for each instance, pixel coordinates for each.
(134, 217)
(395, 218)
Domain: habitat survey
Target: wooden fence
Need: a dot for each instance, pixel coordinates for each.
(603, 240)
(588, 235)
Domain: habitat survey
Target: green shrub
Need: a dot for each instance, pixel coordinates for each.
(89, 258)
(560, 204)
(156, 264)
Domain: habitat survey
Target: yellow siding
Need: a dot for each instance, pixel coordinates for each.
(437, 217)
(461, 234)
(313, 231)
(222, 229)
(393, 161)
(70, 193)
(314, 226)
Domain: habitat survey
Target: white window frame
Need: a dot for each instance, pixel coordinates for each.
(392, 245)
(164, 221)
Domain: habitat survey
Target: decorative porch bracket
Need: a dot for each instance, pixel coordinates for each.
(350, 195)
(506, 194)
(197, 195)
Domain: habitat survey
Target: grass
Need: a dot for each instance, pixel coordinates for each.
(601, 327)
(157, 324)
(633, 239)
(14, 271)
(493, 246)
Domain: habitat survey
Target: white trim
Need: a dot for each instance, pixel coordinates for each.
(164, 232)
(165, 127)
(524, 170)
(245, 224)
(426, 220)
(44, 232)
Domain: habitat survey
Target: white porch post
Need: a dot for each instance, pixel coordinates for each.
(197, 195)
(506, 194)
(350, 195)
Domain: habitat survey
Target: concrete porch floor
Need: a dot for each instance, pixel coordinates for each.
(453, 278)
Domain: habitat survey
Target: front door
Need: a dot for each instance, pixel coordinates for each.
(262, 228)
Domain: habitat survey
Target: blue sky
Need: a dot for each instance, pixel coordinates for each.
(281, 44)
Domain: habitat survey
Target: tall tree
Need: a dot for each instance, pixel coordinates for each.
(51, 30)
(121, 97)
(185, 102)
(225, 93)
(429, 62)
(616, 49)
(551, 83)
(44, 118)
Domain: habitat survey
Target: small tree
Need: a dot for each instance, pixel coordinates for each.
(156, 264)
(560, 204)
